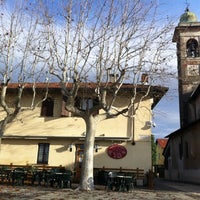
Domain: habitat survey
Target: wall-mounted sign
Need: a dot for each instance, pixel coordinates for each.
(116, 151)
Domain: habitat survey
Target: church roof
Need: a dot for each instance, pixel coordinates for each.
(188, 17)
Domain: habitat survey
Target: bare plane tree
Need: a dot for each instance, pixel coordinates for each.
(92, 41)
(18, 42)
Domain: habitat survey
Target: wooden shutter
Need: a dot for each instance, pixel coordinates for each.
(64, 112)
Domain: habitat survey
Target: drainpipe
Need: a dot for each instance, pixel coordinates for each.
(132, 139)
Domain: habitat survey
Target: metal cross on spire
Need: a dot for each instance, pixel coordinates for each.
(187, 5)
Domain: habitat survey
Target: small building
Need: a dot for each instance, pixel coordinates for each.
(159, 164)
(49, 135)
(182, 152)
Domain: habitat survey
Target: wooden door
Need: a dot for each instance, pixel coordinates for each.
(78, 162)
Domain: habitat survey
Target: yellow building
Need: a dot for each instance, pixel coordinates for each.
(160, 145)
(49, 135)
(160, 159)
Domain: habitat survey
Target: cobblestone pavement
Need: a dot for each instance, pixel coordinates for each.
(163, 190)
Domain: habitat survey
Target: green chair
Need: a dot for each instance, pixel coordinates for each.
(18, 176)
(130, 181)
(111, 181)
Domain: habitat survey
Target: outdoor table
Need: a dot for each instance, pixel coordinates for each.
(60, 178)
(120, 181)
(111, 180)
(63, 179)
(130, 182)
(125, 182)
(40, 176)
(5, 174)
(18, 176)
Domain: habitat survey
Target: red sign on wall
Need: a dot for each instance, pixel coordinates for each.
(116, 151)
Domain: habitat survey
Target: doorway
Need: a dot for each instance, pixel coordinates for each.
(78, 162)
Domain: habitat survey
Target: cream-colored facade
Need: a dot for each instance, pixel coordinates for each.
(19, 144)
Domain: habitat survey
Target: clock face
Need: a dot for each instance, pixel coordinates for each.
(193, 70)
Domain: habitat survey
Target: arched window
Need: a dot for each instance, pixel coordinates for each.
(192, 48)
(47, 108)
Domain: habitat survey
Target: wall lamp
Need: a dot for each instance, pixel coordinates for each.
(70, 147)
(150, 124)
(96, 147)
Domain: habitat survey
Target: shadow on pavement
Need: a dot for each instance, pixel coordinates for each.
(165, 185)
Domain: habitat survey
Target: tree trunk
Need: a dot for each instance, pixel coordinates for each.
(87, 179)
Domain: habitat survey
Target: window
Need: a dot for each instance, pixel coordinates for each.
(86, 104)
(192, 48)
(43, 153)
(47, 108)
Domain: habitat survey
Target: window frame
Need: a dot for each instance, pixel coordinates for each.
(86, 104)
(43, 153)
(47, 108)
(192, 48)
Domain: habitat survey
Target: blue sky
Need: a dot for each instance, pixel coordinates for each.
(166, 113)
(177, 7)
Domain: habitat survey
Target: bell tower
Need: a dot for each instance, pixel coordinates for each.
(187, 38)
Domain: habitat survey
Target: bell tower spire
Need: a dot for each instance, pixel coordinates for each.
(187, 38)
(187, 4)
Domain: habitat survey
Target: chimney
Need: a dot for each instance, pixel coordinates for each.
(113, 77)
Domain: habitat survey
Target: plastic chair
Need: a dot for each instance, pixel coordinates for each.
(18, 176)
(130, 180)
(111, 180)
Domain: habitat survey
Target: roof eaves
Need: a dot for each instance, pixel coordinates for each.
(156, 92)
(180, 131)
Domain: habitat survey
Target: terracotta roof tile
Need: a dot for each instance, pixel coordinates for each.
(87, 85)
(162, 142)
(156, 92)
